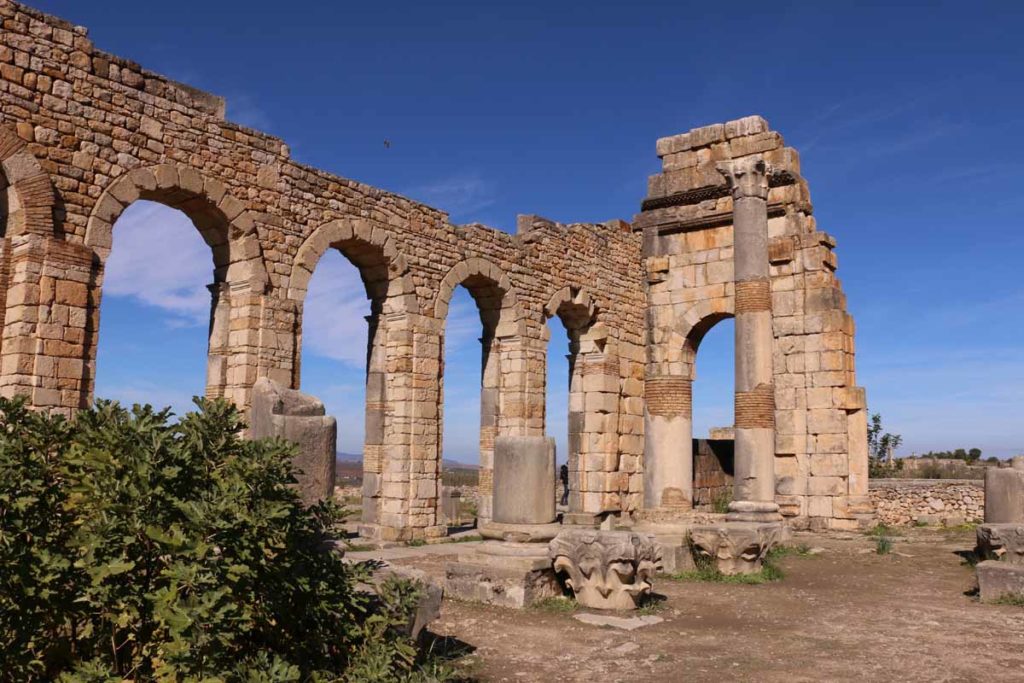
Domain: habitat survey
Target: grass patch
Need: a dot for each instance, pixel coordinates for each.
(780, 551)
(720, 503)
(465, 539)
(1012, 599)
(883, 545)
(359, 547)
(768, 573)
(416, 543)
(967, 526)
(879, 530)
(557, 605)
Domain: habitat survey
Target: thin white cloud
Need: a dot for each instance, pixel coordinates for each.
(159, 258)
(460, 195)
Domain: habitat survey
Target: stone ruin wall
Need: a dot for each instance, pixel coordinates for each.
(905, 502)
(83, 134)
(819, 411)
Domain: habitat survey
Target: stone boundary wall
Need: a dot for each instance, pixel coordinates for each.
(903, 502)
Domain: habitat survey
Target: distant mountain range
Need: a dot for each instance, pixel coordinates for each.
(354, 461)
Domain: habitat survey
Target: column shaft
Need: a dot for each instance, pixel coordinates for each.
(754, 483)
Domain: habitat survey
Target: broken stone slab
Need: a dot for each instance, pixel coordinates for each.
(624, 623)
(735, 547)
(1003, 542)
(300, 418)
(503, 574)
(998, 580)
(428, 608)
(605, 569)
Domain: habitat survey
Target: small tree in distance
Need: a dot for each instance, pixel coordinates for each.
(881, 447)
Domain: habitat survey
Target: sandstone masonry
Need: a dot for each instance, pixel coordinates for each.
(83, 134)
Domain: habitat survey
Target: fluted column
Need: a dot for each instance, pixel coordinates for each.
(754, 483)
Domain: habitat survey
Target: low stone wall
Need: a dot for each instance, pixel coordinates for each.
(901, 502)
(712, 472)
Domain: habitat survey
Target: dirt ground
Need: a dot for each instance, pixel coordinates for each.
(843, 614)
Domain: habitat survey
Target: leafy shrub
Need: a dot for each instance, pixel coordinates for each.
(136, 548)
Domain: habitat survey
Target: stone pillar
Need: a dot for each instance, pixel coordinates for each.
(1004, 493)
(754, 496)
(217, 351)
(279, 411)
(524, 480)
(668, 444)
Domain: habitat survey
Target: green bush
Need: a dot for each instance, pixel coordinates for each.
(135, 548)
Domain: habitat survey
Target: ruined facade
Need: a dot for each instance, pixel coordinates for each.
(83, 134)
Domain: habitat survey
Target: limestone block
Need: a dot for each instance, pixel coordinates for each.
(606, 569)
(524, 480)
(504, 574)
(298, 417)
(1004, 495)
(1003, 542)
(735, 547)
(998, 580)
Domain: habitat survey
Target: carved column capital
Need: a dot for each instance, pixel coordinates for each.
(747, 176)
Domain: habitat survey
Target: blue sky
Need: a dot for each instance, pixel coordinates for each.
(906, 117)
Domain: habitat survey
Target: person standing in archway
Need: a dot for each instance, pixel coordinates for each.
(563, 476)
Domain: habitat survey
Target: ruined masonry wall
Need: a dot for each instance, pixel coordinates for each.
(819, 411)
(904, 502)
(100, 132)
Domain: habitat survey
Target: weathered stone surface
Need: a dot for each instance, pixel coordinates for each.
(606, 569)
(998, 580)
(735, 547)
(903, 502)
(623, 623)
(1004, 494)
(1003, 542)
(298, 417)
(524, 480)
(86, 133)
(505, 574)
(428, 607)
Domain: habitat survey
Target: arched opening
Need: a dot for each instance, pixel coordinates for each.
(570, 339)
(155, 329)
(712, 345)
(561, 413)
(344, 360)
(336, 322)
(473, 289)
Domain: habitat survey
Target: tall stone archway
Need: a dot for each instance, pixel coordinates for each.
(505, 405)
(390, 425)
(239, 276)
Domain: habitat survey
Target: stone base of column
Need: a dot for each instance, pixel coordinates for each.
(507, 574)
(519, 533)
(753, 511)
(379, 533)
(735, 547)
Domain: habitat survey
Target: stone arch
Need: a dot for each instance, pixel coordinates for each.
(505, 400)
(370, 248)
(385, 273)
(30, 209)
(239, 271)
(698, 321)
(590, 402)
(222, 219)
(490, 286)
(573, 305)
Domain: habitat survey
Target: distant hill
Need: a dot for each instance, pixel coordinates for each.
(349, 467)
